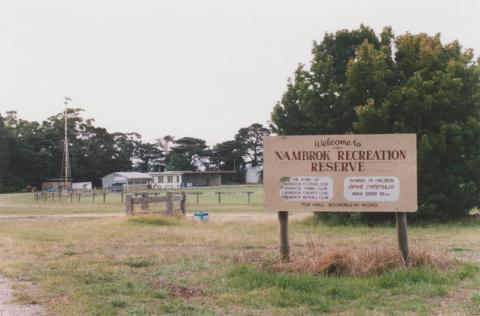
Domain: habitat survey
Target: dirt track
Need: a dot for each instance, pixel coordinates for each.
(10, 308)
(222, 217)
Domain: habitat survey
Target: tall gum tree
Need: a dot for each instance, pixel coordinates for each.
(413, 83)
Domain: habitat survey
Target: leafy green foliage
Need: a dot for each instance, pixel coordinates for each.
(4, 155)
(149, 156)
(188, 153)
(413, 83)
(250, 142)
(35, 151)
(31, 152)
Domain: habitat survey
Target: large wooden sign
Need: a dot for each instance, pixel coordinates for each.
(361, 173)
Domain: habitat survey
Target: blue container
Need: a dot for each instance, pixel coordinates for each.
(201, 216)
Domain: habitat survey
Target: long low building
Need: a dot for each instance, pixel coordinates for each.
(124, 181)
(182, 179)
(56, 185)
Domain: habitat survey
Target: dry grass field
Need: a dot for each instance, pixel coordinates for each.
(157, 265)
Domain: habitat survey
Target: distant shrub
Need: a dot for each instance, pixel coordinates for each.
(154, 220)
(138, 262)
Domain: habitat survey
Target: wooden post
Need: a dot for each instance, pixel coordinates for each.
(219, 197)
(197, 194)
(79, 196)
(121, 196)
(93, 196)
(71, 197)
(248, 193)
(144, 202)
(183, 203)
(104, 197)
(128, 205)
(169, 203)
(402, 236)
(284, 247)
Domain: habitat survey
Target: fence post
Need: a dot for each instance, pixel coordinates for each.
(170, 203)
(183, 203)
(121, 196)
(248, 193)
(128, 205)
(219, 197)
(144, 202)
(93, 196)
(104, 196)
(71, 197)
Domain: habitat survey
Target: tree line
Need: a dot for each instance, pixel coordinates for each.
(361, 82)
(31, 151)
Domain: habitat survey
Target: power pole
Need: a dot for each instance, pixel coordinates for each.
(66, 157)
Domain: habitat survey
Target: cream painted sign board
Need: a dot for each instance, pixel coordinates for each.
(341, 173)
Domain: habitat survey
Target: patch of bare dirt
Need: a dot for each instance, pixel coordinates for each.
(178, 290)
(8, 306)
(452, 304)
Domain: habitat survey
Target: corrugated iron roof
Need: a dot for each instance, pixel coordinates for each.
(164, 173)
(133, 175)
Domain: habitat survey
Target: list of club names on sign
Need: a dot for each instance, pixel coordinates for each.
(306, 189)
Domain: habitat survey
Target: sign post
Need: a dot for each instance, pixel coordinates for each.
(341, 173)
(402, 236)
(284, 247)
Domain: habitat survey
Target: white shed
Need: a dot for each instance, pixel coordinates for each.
(82, 186)
(254, 175)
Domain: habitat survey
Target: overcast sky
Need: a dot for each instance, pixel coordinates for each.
(186, 68)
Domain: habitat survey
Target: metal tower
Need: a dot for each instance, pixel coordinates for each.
(66, 170)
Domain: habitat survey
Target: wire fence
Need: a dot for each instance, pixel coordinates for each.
(210, 196)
